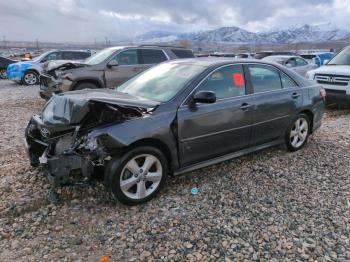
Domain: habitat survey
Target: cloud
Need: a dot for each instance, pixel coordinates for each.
(84, 20)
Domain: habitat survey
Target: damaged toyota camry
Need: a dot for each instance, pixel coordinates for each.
(171, 119)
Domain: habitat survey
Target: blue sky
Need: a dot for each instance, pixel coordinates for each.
(84, 20)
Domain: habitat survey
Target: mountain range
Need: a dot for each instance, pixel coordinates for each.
(296, 34)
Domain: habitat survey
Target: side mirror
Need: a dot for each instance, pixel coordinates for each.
(289, 65)
(112, 63)
(205, 97)
(325, 61)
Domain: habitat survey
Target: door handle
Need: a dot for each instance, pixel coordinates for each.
(245, 106)
(295, 95)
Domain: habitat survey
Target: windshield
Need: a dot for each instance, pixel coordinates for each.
(161, 83)
(343, 58)
(100, 56)
(40, 57)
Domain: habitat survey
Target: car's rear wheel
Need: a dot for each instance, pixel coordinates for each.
(298, 132)
(3, 74)
(30, 78)
(85, 85)
(137, 176)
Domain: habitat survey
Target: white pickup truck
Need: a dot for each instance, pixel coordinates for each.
(334, 76)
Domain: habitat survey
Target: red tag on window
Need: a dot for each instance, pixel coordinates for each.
(238, 79)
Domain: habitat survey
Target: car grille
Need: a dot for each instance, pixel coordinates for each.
(332, 79)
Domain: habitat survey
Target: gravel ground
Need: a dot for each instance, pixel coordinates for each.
(271, 205)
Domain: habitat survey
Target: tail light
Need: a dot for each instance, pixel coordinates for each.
(323, 93)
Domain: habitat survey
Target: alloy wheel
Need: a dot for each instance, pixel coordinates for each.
(30, 79)
(141, 176)
(299, 132)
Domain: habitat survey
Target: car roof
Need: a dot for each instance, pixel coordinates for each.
(281, 56)
(212, 61)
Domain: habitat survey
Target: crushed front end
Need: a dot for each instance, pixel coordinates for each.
(55, 77)
(60, 139)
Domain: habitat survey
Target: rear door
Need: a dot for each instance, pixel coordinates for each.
(276, 99)
(210, 130)
(128, 66)
(150, 57)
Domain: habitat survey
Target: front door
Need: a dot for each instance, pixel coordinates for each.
(276, 98)
(210, 130)
(128, 66)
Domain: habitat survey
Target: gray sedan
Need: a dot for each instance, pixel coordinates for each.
(171, 119)
(296, 63)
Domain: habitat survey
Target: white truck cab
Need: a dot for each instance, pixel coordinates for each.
(334, 76)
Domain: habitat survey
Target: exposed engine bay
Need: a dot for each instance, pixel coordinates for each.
(60, 141)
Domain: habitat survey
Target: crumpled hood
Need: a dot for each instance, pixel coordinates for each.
(70, 108)
(333, 70)
(110, 96)
(62, 64)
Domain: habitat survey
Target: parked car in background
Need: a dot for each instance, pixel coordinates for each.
(219, 54)
(296, 63)
(335, 78)
(173, 118)
(27, 72)
(4, 62)
(318, 58)
(261, 55)
(108, 68)
(244, 55)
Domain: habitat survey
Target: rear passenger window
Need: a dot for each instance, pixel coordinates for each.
(152, 56)
(127, 57)
(264, 78)
(287, 82)
(183, 53)
(226, 82)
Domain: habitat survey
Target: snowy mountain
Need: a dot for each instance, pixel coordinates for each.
(296, 34)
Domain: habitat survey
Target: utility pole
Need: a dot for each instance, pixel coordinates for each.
(37, 44)
(106, 38)
(4, 42)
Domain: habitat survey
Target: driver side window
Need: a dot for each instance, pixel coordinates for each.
(128, 57)
(52, 56)
(225, 82)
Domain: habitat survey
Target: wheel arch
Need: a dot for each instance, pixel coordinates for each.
(154, 142)
(90, 80)
(310, 115)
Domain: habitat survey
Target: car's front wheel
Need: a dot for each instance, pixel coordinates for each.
(3, 74)
(137, 176)
(30, 78)
(298, 132)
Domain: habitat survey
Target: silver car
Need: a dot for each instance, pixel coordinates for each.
(296, 63)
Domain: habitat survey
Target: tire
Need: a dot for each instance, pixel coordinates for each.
(3, 74)
(85, 85)
(142, 185)
(30, 78)
(298, 133)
